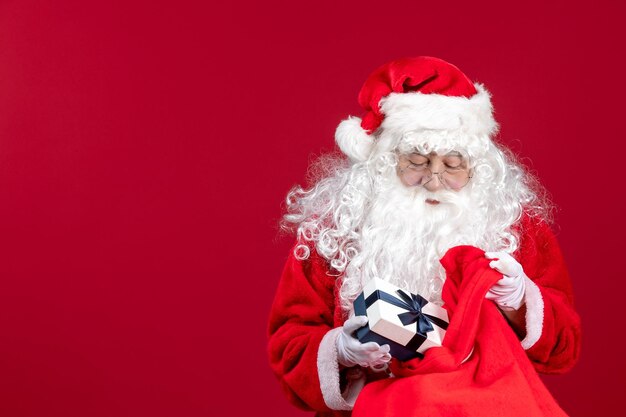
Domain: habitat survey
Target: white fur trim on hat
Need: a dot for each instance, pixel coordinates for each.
(415, 111)
(353, 140)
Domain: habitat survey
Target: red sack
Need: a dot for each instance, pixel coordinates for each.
(481, 369)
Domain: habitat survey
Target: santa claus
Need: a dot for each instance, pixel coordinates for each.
(426, 200)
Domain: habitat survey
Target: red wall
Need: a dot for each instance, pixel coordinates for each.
(145, 151)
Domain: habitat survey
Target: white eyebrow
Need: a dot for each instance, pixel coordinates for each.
(451, 153)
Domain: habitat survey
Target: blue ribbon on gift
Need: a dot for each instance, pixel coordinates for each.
(413, 303)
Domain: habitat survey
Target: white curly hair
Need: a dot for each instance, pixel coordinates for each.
(366, 223)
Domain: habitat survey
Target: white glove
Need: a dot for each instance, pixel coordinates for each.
(509, 292)
(351, 352)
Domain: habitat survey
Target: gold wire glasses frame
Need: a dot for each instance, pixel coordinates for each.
(452, 177)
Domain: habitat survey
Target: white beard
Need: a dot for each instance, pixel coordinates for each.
(403, 238)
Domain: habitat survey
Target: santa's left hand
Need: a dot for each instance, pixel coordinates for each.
(509, 292)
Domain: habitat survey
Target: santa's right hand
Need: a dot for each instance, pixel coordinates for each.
(351, 352)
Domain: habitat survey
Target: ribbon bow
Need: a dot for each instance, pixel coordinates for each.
(414, 303)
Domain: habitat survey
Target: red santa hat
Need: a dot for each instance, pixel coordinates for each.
(412, 94)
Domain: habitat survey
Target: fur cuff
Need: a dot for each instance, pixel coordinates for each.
(534, 314)
(328, 371)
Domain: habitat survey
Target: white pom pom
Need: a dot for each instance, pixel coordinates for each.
(353, 140)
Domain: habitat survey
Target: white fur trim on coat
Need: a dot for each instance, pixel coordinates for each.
(534, 314)
(353, 140)
(328, 371)
(416, 111)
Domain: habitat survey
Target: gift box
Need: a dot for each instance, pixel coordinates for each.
(407, 322)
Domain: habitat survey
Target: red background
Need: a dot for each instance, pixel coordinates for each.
(146, 147)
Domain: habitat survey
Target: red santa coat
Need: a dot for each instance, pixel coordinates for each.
(482, 369)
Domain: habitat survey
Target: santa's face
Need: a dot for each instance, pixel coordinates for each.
(434, 172)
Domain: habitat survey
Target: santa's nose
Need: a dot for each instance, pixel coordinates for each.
(434, 184)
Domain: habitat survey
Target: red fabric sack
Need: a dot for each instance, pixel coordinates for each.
(481, 369)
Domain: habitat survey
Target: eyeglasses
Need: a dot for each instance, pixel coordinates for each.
(453, 177)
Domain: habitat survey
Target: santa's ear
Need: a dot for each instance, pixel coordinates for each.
(353, 140)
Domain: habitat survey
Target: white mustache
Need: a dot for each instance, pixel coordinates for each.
(443, 196)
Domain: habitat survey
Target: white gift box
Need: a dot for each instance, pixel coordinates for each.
(407, 322)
